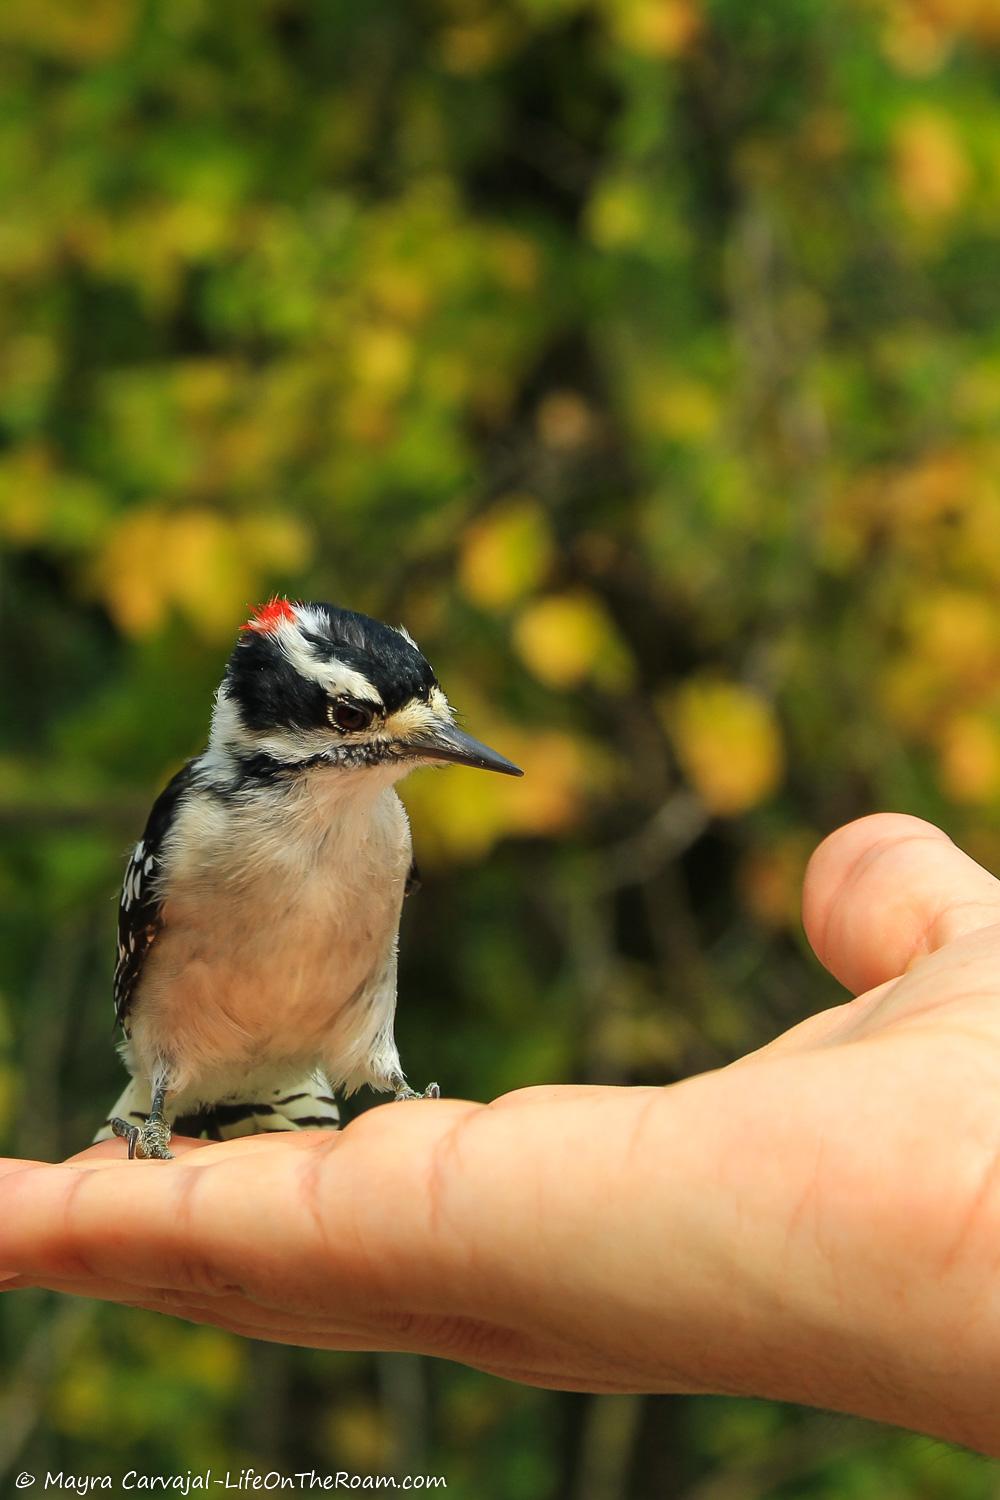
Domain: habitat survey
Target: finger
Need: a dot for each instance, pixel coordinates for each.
(116, 1150)
(114, 1153)
(240, 1317)
(196, 1223)
(11, 1164)
(141, 1223)
(231, 1307)
(886, 890)
(549, 1093)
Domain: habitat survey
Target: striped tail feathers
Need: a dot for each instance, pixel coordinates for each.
(309, 1105)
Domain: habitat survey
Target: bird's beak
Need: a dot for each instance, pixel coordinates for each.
(443, 741)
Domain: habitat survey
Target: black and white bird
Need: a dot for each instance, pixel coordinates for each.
(259, 916)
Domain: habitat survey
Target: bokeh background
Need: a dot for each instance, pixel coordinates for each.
(643, 356)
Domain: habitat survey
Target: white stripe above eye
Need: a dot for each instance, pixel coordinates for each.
(334, 677)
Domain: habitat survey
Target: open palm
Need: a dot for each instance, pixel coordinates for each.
(818, 1222)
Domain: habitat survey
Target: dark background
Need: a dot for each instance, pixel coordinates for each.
(643, 357)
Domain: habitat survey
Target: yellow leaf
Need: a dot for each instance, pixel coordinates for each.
(277, 541)
(559, 770)
(202, 387)
(618, 215)
(956, 632)
(357, 1434)
(938, 22)
(383, 359)
(566, 639)
(728, 743)
(911, 691)
(402, 291)
(207, 565)
(505, 553)
(76, 31)
(655, 28)
(460, 817)
(25, 494)
(127, 573)
(79, 1401)
(969, 759)
(203, 570)
(914, 42)
(683, 409)
(931, 169)
(212, 1360)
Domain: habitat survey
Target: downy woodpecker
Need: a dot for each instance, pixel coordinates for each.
(258, 921)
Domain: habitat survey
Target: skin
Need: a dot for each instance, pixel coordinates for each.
(819, 1222)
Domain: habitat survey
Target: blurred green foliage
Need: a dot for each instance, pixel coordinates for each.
(644, 357)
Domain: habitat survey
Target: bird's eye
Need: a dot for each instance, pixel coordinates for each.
(350, 717)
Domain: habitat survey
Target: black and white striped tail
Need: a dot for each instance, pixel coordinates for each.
(307, 1106)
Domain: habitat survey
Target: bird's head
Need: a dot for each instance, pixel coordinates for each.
(311, 686)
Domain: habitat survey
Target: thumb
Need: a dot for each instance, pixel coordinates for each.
(882, 892)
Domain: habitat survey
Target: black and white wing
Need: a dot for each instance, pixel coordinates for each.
(140, 909)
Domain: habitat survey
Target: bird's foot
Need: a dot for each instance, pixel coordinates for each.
(404, 1092)
(151, 1140)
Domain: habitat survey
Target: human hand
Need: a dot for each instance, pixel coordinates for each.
(818, 1222)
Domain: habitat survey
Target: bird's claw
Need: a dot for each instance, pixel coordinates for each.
(149, 1141)
(404, 1093)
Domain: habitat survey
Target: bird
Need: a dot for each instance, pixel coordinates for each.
(259, 914)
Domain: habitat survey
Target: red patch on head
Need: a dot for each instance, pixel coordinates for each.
(267, 617)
